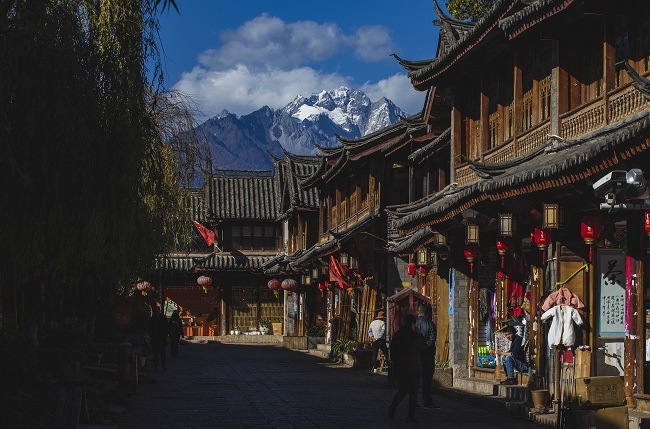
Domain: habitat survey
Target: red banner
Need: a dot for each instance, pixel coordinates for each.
(338, 273)
(207, 234)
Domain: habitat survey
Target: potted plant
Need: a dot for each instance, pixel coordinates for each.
(444, 374)
(340, 349)
(265, 325)
(236, 330)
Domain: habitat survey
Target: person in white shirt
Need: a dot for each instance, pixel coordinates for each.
(377, 333)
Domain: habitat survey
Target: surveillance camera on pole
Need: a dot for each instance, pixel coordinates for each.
(623, 190)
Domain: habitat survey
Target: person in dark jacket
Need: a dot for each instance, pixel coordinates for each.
(427, 328)
(514, 358)
(405, 349)
(158, 333)
(175, 332)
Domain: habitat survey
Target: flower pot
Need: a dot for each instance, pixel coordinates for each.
(540, 398)
(264, 330)
(277, 328)
(232, 332)
(237, 332)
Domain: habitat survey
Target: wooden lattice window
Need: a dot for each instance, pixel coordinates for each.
(363, 191)
(494, 121)
(335, 217)
(510, 122)
(527, 110)
(545, 97)
(644, 41)
(621, 47)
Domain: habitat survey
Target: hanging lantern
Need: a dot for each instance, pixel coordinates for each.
(503, 245)
(541, 238)
(471, 253)
(144, 287)
(646, 222)
(322, 287)
(315, 273)
(410, 269)
(204, 282)
(275, 285)
(344, 258)
(434, 261)
(423, 269)
(506, 225)
(289, 284)
(354, 263)
(590, 231)
(440, 239)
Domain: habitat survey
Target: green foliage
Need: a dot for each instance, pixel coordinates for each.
(471, 10)
(441, 364)
(341, 346)
(316, 331)
(92, 154)
(265, 323)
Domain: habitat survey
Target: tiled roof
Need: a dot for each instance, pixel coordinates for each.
(290, 171)
(557, 163)
(429, 149)
(235, 262)
(242, 195)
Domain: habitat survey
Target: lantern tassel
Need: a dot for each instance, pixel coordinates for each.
(591, 252)
(471, 267)
(503, 262)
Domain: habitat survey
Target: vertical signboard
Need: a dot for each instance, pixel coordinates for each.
(611, 281)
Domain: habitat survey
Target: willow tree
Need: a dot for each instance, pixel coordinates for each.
(471, 10)
(88, 170)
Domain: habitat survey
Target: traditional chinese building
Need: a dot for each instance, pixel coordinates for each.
(548, 143)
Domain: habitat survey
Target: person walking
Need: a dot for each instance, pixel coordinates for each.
(377, 333)
(427, 328)
(175, 332)
(514, 358)
(405, 348)
(158, 332)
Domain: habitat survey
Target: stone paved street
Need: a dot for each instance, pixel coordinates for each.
(267, 386)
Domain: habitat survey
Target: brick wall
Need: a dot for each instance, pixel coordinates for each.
(458, 325)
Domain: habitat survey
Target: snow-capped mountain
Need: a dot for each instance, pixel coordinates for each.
(241, 143)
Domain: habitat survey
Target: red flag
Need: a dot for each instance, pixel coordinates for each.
(208, 235)
(338, 273)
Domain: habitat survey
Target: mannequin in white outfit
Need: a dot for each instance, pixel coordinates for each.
(562, 331)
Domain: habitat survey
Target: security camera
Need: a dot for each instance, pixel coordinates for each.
(613, 182)
(637, 185)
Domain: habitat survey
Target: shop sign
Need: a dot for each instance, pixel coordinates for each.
(611, 279)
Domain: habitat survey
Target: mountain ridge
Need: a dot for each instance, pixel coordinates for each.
(242, 142)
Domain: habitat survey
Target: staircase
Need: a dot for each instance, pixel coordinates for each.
(319, 349)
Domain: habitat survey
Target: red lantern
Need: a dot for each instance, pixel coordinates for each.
(503, 245)
(275, 285)
(471, 253)
(410, 269)
(541, 238)
(143, 287)
(590, 231)
(646, 222)
(204, 282)
(289, 284)
(424, 269)
(322, 287)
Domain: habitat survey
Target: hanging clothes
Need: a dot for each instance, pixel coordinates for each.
(562, 331)
(562, 296)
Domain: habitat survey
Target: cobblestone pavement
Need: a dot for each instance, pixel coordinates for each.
(267, 386)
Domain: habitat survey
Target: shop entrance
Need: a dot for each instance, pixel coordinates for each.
(252, 303)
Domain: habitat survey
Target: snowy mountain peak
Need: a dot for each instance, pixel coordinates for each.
(243, 142)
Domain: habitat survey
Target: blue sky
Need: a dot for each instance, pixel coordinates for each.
(242, 55)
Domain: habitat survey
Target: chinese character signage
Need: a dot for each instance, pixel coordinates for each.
(611, 279)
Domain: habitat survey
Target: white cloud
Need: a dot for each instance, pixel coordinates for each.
(373, 43)
(267, 61)
(399, 90)
(241, 90)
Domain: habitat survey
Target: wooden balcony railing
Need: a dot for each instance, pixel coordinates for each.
(347, 223)
(624, 102)
(584, 119)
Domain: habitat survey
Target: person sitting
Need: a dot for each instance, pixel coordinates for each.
(515, 358)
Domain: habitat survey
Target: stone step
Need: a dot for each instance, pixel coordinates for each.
(324, 347)
(324, 354)
(477, 385)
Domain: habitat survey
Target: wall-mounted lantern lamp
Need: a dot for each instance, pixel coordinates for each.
(306, 279)
(506, 225)
(354, 263)
(553, 216)
(441, 240)
(344, 258)
(315, 273)
(471, 233)
(423, 256)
